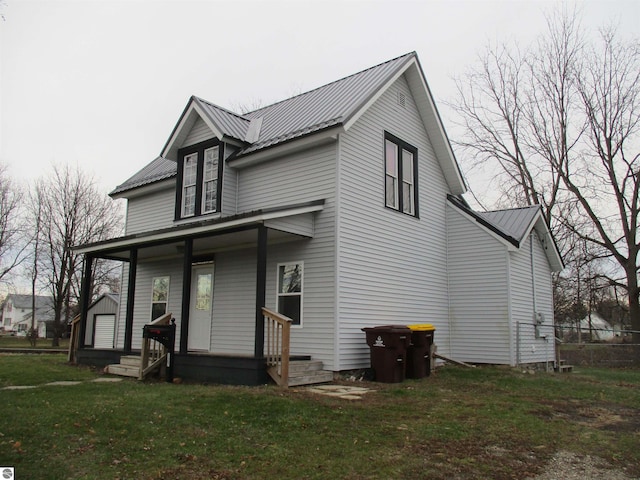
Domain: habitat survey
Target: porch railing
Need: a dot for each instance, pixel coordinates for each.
(278, 336)
(157, 345)
(74, 339)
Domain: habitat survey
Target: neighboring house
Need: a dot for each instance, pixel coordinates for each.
(339, 208)
(101, 321)
(594, 327)
(17, 313)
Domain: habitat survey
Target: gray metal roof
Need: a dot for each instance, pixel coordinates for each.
(324, 107)
(231, 124)
(515, 222)
(24, 301)
(158, 169)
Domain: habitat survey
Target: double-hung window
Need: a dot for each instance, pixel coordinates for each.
(290, 291)
(401, 189)
(159, 296)
(199, 174)
(189, 181)
(210, 180)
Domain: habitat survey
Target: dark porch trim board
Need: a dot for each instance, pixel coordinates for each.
(186, 294)
(131, 295)
(193, 367)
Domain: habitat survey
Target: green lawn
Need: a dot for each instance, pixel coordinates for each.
(8, 341)
(487, 422)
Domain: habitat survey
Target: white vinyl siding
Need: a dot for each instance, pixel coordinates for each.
(294, 179)
(152, 211)
(392, 267)
(200, 132)
(234, 310)
(478, 288)
(529, 348)
(229, 196)
(146, 271)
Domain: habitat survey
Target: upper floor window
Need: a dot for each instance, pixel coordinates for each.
(401, 189)
(199, 171)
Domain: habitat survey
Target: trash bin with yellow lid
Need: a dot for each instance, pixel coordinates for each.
(419, 351)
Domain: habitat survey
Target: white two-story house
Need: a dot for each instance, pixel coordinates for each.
(340, 208)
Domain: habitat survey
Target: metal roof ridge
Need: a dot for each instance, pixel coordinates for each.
(330, 83)
(528, 207)
(497, 229)
(226, 110)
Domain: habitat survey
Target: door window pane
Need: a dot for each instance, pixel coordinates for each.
(203, 291)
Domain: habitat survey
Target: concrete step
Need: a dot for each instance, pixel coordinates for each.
(311, 378)
(123, 370)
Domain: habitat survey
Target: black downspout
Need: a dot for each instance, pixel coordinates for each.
(131, 293)
(84, 298)
(186, 295)
(261, 281)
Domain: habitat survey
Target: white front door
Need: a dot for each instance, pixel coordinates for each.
(200, 309)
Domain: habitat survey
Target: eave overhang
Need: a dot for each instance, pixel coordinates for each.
(109, 248)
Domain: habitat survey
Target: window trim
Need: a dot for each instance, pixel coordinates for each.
(198, 148)
(300, 294)
(166, 304)
(399, 177)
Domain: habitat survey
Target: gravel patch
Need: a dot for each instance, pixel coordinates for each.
(569, 466)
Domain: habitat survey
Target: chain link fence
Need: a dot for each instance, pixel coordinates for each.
(549, 346)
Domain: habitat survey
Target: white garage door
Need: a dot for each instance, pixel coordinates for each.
(105, 326)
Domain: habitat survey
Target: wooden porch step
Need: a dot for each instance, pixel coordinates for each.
(308, 372)
(123, 370)
(563, 368)
(129, 366)
(132, 360)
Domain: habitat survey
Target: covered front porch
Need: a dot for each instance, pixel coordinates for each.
(211, 275)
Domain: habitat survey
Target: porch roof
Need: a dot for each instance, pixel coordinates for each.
(286, 223)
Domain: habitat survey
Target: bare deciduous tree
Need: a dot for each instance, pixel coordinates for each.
(12, 234)
(73, 212)
(560, 123)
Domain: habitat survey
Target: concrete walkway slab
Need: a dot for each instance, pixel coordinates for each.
(340, 391)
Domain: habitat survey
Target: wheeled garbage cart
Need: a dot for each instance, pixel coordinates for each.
(419, 351)
(388, 347)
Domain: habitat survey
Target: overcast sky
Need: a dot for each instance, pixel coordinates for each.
(101, 84)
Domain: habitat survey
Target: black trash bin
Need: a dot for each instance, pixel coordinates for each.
(419, 352)
(388, 345)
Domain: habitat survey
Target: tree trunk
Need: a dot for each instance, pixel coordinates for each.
(634, 303)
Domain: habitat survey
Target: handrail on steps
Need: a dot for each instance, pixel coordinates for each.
(157, 346)
(74, 339)
(278, 337)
